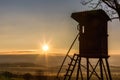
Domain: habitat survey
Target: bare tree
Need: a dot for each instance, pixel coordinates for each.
(112, 7)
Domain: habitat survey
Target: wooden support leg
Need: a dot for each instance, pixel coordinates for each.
(81, 70)
(109, 73)
(101, 69)
(87, 68)
(78, 69)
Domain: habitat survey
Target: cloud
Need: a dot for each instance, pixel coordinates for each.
(19, 52)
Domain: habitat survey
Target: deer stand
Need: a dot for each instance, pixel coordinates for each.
(93, 46)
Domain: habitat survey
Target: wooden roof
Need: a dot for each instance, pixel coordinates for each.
(82, 17)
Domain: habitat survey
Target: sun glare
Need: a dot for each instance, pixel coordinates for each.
(45, 47)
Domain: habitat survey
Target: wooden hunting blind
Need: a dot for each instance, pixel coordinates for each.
(93, 33)
(93, 44)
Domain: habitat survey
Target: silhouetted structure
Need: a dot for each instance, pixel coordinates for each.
(93, 44)
(93, 33)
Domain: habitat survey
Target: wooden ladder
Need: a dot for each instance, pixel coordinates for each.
(71, 67)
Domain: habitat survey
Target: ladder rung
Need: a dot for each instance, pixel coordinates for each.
(66, 75)
(68, 70)
(71, 64)
(73, 56)
(73, 59)
(76, 54)
(71, 67)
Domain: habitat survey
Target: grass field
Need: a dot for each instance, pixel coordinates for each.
(115, 77)
(40, 73)
(21, 67)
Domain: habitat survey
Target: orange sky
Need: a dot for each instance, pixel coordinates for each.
(26, 24)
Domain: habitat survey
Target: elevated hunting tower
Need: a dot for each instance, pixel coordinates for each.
(93, 33)
(93, 44)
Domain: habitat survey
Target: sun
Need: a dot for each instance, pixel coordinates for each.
(45, 47)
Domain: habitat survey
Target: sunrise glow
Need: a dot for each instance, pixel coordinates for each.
(45, 47)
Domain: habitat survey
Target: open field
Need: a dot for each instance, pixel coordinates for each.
(16, 67)
(41, 73)
(42, 77)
